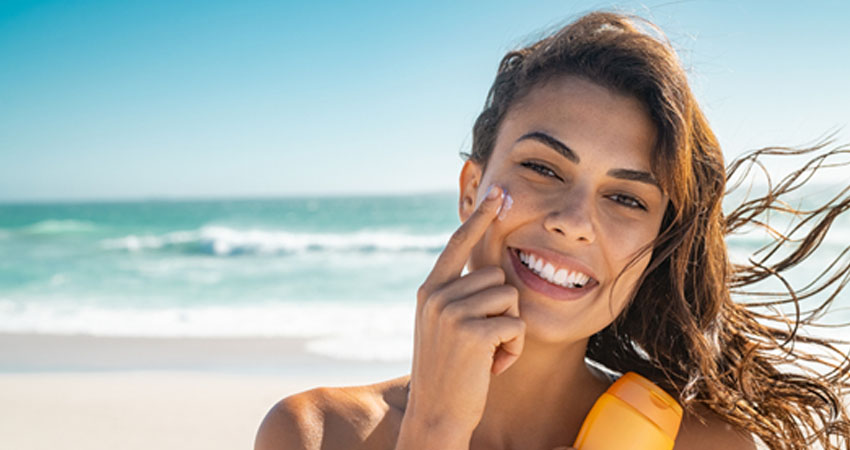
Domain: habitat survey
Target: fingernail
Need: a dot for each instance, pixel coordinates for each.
(506, 205)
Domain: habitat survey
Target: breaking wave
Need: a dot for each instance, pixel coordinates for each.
(53, 226)
(224, 241)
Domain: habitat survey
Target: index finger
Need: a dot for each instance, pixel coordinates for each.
(453, 258)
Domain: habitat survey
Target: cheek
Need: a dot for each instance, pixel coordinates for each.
(524, 205)
(624, 239)
(626, 284)
(522, 202)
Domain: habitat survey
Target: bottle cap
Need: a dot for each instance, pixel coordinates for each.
(650, 400)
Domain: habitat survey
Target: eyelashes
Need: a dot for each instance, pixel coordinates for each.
(542, 169)
(628, 201)
(622, 199)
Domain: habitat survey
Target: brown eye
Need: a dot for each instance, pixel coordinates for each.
(541, 169)
(627, 201)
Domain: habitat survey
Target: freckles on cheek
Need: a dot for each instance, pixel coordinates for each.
(626, 237)
(520, 201)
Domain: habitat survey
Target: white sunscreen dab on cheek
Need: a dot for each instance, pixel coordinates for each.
(507, 202)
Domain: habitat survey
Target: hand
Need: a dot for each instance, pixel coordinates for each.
(467, 328)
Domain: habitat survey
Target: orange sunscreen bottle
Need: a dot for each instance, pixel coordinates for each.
(632, 414)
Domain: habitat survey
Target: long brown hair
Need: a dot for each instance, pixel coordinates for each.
(682, 328)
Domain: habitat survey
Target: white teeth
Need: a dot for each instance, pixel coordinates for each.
(550, 273)
(583, 279)
(560, 276)
(538, 265)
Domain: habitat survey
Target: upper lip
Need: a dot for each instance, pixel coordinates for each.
(560, 260)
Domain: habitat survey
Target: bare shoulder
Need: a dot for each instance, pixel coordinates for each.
(709, 431)
(354, 417)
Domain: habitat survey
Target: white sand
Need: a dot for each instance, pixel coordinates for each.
(111, 399)
(81, 392)
(159, 410)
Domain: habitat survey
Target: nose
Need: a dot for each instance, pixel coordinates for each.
(572, 218)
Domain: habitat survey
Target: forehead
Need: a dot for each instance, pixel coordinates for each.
(597, 123)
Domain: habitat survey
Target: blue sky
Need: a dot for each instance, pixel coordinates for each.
(109, 100)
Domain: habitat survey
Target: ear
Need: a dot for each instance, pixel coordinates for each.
(470, 180)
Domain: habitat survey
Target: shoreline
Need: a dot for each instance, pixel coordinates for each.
(38, 353)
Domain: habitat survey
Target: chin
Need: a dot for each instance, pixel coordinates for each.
(546, 325)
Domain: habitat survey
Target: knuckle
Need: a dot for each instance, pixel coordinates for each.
(423, 292)
(429, 308)
(434, 303)
(509, 326)
(509, 291)
(503, 292)
(454, 311)
(458, 237)
(497, 274)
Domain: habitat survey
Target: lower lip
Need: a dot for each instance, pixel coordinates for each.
(544, 287)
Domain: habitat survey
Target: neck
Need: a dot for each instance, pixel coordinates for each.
(540, 401)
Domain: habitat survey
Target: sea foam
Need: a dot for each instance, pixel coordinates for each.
(225, 241)
(52, 226)
(363, 331)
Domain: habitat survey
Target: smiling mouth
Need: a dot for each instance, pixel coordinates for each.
(551, 273)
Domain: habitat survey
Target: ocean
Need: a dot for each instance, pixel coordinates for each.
(339, 272)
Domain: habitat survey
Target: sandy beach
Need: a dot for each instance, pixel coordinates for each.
(84, 392)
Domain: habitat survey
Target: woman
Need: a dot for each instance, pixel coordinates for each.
(593, 235)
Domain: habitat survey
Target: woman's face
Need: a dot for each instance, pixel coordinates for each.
(575, 158)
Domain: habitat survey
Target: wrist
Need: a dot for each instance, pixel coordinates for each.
(421, 433)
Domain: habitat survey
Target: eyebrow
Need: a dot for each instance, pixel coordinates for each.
(552, 143)
(634, 175)
(623, 174)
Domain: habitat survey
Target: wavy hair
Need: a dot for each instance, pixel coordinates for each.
(681, 328)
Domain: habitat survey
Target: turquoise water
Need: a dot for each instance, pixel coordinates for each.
(154, 254)
(326, 268)
(341, 272)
